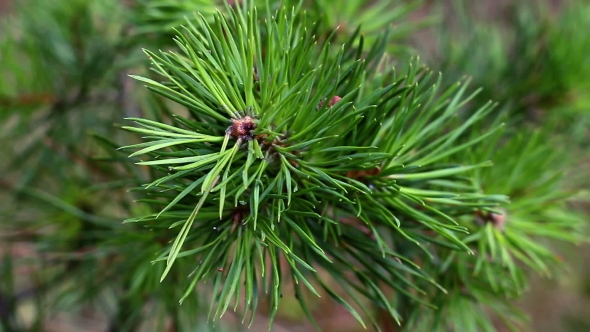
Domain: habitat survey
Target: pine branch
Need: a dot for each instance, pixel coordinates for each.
(273, 167)
(282, 149)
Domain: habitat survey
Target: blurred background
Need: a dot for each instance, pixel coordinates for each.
(63, 84)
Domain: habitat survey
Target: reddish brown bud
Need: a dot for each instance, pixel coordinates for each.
(496, 219)
(331, 103)
(242, 128)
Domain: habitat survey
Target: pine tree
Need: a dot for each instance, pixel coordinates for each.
(279, 151)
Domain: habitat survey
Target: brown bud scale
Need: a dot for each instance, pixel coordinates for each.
(242, 128)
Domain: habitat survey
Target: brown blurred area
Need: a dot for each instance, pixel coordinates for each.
(4, 6)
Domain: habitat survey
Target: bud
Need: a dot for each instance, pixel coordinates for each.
(497, 219)
(331, 103)
(242, 128)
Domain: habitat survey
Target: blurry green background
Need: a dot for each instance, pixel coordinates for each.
(531, 56)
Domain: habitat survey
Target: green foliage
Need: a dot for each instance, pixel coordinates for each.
(510, 242)
(160, 18)
(287, 150)
(58, 63)
(533, 60)
(258, 157)
(157, 17)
